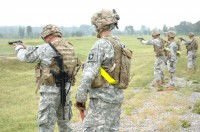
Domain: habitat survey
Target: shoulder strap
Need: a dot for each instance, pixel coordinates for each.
(53, 47)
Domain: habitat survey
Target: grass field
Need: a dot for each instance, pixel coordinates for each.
(19, 103)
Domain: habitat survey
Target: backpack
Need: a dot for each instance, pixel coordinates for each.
(121, 73)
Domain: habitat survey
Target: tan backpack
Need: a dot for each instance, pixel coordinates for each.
(121, 72)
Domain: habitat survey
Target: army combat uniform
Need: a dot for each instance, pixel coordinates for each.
(56, 64)
(160, 62)
(172, 61)
(104, 110)
(50, 110)
(192, 47)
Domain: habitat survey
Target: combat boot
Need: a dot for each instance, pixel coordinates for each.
(194, 70)
(189, 70)
(157, 84)
(170, 88)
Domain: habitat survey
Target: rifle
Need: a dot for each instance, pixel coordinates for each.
(12, 42)
(140, 39)
(182, 39)
(63, 80)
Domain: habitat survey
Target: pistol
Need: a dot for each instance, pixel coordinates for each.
(181, 39)
(140, 39)
(12, 42)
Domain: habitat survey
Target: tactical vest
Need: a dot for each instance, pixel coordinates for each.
(168, 52)
(193, 45)
(160, 50)
(120, 75)
(70, 61)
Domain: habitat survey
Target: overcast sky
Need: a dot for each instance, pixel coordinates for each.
(151, 13)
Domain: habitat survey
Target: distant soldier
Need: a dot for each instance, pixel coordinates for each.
(104, 77)
(192, 47)
(51, 110)
(160, 62)
(172, 50)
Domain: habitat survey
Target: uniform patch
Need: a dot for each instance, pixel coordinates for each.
(91, 56)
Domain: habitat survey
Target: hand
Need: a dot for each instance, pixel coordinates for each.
(80, 106)
(16, 44)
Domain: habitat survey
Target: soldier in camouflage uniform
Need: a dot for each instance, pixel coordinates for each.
(103, 114)
(50, 110)
(159, 66)
(171, 53)
(192, 47)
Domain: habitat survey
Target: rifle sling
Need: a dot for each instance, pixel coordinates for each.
(57, 52)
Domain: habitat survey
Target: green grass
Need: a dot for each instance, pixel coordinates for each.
(19, 103)
(196, 108)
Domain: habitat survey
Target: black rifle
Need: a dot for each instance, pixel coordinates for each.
(182, 39)
(140, 39)
(63, 79)
(12, 42)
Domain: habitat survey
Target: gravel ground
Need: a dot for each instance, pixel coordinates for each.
(161, 120)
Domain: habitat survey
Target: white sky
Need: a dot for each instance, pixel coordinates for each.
(151, 13)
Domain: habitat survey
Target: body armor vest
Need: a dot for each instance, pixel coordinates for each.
(160, 50)
(70, 62)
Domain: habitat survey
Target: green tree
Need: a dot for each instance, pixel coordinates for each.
(21, 32)
(129, 30)
(29, 31)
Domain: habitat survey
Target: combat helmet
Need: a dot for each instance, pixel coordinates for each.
(155, 32)
(50, 29)
(191, 34)
(105, 19)
(171, 34)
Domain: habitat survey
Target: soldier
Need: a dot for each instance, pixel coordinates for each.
(106, 95)
(192, 47)
(159, 66)
(50, 110)
(171, 54)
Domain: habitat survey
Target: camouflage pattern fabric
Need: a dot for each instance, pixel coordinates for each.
(159, 68)
(172, 61)
(102, 53)
(49, 105)
(192, 52)
(50, 29)
(102, 116)
(50, 112)
(104, 18)
(160, 60)
(191, 60)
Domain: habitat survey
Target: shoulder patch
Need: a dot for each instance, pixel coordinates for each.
(93, 55)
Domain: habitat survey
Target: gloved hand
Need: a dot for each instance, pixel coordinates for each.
(80, 106)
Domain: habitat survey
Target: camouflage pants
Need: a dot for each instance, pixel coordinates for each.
(191, 63)
(159, 68)
(50, 112)
(172, 72)
(102, 116)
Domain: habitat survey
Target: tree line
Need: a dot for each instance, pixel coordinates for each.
(89, 30)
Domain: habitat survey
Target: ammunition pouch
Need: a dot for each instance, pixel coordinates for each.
(99, 82)
(47, 77)
(189, 47)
